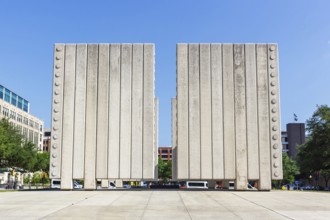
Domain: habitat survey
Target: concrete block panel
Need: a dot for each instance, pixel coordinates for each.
(194, 108)
(274, 108)
(57, 105)
(217, 111)
(114, 111)
(104, 113)
(91, 116)
(240, 117)
(226, 114)
(174, 139)
(205, 112)
(125, 111)
(137, 107)
(68, 116)
(182, 111)
(251, 112)
(80, 110)
(148, 111)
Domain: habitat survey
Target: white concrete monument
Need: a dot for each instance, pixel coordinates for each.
(103, 113)
(226, 119)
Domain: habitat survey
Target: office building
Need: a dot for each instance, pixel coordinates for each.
(293, 137)
(47, 140)
(17, 110)
(165, 153)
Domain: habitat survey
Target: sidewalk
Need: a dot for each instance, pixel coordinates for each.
(164, 205)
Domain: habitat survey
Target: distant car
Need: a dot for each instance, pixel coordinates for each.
(76, 185)
(112, 185)
(127, 186)
(250, 187)
(55, 184)
(197, 185)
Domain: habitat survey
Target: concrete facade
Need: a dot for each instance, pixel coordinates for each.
(227, 114)
(104, 113)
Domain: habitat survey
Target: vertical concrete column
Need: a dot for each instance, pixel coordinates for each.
(68, 116)
(263, 118)
(91, 119)
(174, 139)
(274, 106)
(137, 110)
(194, 112)
(104, 183)
(114, 111)
(217, 111)
(102, 112)
(182, 112)
(225, 184)
(156, 138)
(251, 111)
(79, 114)
(240, 118)
(125, 111)
(57, 105)
(148, 111)
(228, 112)
(206, 112)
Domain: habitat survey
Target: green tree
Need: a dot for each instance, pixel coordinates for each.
(290, 169)
(164, 169)
(41, 162)
(314, 155)
(14, 149)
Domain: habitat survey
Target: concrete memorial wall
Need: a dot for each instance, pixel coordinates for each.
(226, 115)
(103, 113)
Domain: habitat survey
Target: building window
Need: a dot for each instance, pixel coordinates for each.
(14, 99)
(12, 114)
(25, 133)
(25, 106)
(7, 95)
(31, 123)
(36, 125)
(36, 138)
(19, 118)
(31, 135)
(20, 103)
(5, 111)
(26, 121)
(19, 128)
(1, 92)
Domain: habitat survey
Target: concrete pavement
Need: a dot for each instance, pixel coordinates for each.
(164, 205)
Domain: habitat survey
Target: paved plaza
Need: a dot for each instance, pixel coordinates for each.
(164, 205)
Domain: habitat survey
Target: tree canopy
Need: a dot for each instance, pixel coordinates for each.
(15, 151)
(314, 155)
(290, 169)
(164, 169)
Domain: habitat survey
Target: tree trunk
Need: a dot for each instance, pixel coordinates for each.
(326, 179)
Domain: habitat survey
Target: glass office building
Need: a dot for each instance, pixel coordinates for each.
(14, 99)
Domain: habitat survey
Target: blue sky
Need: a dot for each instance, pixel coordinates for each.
(301, 28)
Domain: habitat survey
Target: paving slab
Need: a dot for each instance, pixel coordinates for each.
(162, 204)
